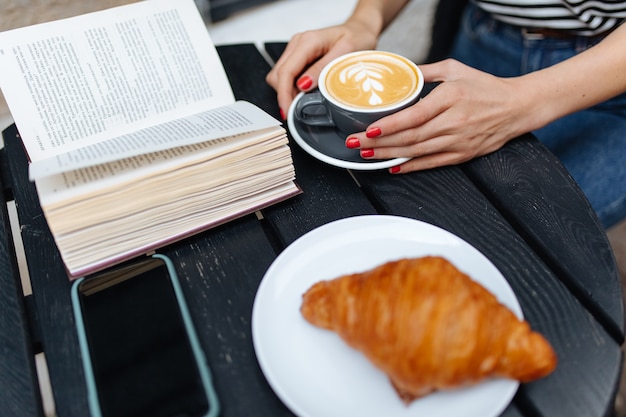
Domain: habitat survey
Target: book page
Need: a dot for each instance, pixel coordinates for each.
(77, 81)
(238, 118)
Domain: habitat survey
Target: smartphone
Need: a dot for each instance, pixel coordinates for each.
(140, 351)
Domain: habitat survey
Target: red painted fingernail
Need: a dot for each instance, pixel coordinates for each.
(373, 132)
(394, 170)
(353, 143)
(305, 82)
(282, 114)
(367, 153)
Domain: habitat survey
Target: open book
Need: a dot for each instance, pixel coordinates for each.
(132, 131)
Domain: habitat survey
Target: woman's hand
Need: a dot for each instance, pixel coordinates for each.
(469, 114)
(308, 52)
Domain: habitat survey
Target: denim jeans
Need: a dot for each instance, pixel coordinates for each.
(590, 143)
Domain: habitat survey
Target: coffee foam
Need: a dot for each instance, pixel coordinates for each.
(371, 80)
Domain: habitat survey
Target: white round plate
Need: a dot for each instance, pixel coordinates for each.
(312, 370)
(328, 145)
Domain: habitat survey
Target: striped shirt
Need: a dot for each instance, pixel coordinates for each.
(584, 17)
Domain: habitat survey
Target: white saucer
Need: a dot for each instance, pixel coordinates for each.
(328, 145)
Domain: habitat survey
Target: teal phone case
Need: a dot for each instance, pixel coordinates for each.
(203, 366)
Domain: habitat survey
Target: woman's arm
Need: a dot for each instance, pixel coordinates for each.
(582, 81)
(377, 14)
(306, 54)
(472, 113)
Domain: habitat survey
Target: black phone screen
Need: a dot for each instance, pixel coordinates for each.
(143, 363)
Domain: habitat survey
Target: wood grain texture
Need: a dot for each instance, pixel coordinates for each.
(220, 272)
(19, 388)
(557, 221)
(51, 291)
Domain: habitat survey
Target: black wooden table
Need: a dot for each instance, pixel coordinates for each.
(518, 206)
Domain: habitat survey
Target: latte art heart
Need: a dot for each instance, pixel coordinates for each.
(369, 77)
(371, 80)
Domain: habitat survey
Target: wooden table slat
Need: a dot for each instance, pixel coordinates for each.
(220, 273)
(51, 290)
(246, 69)
(560, 228)
(19, 386)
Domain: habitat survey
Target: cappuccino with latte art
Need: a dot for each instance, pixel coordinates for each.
(371, 79)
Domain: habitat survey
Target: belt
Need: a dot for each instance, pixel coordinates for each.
(540, 33)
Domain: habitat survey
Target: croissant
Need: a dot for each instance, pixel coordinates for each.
(428, 326)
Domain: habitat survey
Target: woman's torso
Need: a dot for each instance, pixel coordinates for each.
(585, 18)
